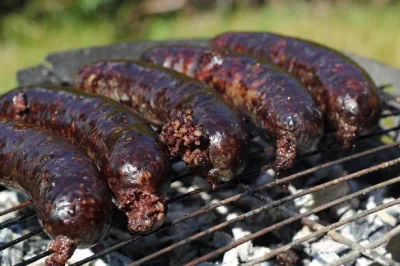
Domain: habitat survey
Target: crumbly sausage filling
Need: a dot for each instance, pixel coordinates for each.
(144, 211)
(184, 138)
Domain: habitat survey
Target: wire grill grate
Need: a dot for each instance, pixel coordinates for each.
(392, 110)
(255, 192)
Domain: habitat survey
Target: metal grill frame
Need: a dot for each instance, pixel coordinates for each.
(59, 70)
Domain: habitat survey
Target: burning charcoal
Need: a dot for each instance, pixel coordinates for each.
(323, 259)
(32, 248)
(324, 175)
(116, 258)
(373, 226)
(221, 239)
(324, 196)
(9, 199)
(326, 245)
(363, 262)
(13, 255)
(207, 264)
(183, 255)
(245, 252)
(231, 257)
(357, 230)
(240, 230)
(257, 252)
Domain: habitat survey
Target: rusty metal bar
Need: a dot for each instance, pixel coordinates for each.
(236, 197)
(35, 258)
(15, 208)
(266, 207)
(323, 231)
(20, 239)
(288, 212)
(355, 254)
(324, 150)
(16, 220)
(279, 225)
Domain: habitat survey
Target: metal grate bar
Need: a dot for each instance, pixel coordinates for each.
(250, 172)
(323, 231)
(15, 208)
(16, 220)
(21, 238)
(36, 232)
(47, 252)
(355, 254)
(277, 182)
(378, 133)
(197, 191)
(303, 156)
(179, 177)
(391, 113)
(288, 212)
(267, 207)
(237, 197)
(279, 225)
(35, 258)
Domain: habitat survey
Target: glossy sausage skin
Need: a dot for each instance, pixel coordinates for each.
(128, 152)
(72, 200)
(198, 125)
(344, 91)
(281, 108)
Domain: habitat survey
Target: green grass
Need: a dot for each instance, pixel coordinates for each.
(31, 50)
(371, 32)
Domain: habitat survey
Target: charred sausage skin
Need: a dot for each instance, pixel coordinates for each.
(128, 152)
(344, 91)
(281, 108)
(198, 125)
(72, 200)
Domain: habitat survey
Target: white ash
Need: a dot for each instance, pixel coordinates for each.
(323, 259)
(10, 256)
(245, 252)
(241, 254)
(362, 231)
(9, 199)
(324, 196)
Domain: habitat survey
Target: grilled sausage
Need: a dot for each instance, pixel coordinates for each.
(343, 90)
(128, 152)
(72, 200)
(280, 107)
(198, 125)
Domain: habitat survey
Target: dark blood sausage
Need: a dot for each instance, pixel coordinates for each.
(280, 107)
(72, 200)
(128, 152)
(198, 125)
(344, 91)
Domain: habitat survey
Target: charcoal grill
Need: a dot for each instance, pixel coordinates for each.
(375, 161)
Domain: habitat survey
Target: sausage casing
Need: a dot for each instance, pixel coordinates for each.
(133, 160)
(344, 91)
(280, 107)
(198, 125)
(72, 199)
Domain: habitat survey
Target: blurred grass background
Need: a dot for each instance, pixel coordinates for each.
(31, 29)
